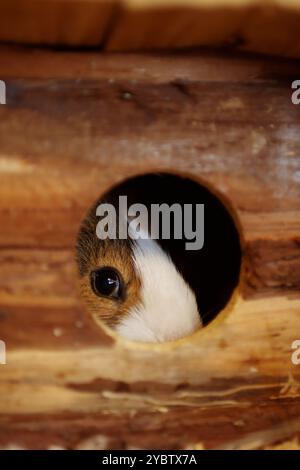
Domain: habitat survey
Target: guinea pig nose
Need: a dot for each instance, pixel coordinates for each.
(107, 282)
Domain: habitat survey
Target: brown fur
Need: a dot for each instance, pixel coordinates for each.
(93, 253)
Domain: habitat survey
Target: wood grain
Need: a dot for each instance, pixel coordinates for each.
(267, 26)
(55, 22)
(74, 125)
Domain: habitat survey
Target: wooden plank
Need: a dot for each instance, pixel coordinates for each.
(266, 26)
(48, 189)
(54, 22)
(100, 390)
(69, 133)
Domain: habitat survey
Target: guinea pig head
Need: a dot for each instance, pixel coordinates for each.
(134, 287)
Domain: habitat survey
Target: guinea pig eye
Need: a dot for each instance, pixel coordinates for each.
(107, 282)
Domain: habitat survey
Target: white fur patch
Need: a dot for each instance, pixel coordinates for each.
(168, 310)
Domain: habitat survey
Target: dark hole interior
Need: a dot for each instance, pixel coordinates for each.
(213, 271)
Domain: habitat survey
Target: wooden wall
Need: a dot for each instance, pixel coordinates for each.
(268, 26)
(76, 123)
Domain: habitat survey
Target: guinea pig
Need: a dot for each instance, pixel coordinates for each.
(155, 290)
(134, 287)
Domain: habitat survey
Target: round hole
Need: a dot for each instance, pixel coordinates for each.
(148, 289)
